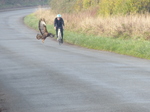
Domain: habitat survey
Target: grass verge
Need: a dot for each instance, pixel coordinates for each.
(131, 47)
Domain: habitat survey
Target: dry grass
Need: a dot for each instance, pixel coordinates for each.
(45, 13)
(129, 26)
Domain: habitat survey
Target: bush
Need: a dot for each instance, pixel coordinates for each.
(113, 7)
(106, 7)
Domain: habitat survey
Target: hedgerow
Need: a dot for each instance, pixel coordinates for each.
(105, 7)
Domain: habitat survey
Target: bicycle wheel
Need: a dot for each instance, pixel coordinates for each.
(59, 37)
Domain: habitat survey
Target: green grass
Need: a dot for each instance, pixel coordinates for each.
(136, 48)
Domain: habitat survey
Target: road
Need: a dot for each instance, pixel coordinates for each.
(46, 77)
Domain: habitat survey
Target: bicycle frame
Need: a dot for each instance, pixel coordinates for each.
(59, 36)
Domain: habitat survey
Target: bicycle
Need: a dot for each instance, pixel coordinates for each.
(59, 38)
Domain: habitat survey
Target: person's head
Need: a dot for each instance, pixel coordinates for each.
(58, 16)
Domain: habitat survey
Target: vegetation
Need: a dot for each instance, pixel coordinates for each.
(62, 5)
(120, 26)
(114, 18)
(104, 7)
(137, 48)
(111, 7)
(126, 27)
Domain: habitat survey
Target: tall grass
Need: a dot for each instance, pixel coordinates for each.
(135, 26)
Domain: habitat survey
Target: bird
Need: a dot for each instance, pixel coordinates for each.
(43, 30)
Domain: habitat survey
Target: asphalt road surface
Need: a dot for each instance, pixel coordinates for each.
(37, 77)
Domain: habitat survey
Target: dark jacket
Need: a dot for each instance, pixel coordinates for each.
(59, 23)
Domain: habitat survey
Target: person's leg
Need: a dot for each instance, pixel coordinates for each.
(56, 32)
(62, 34)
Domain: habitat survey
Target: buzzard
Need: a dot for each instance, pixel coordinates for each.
(43, 30)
